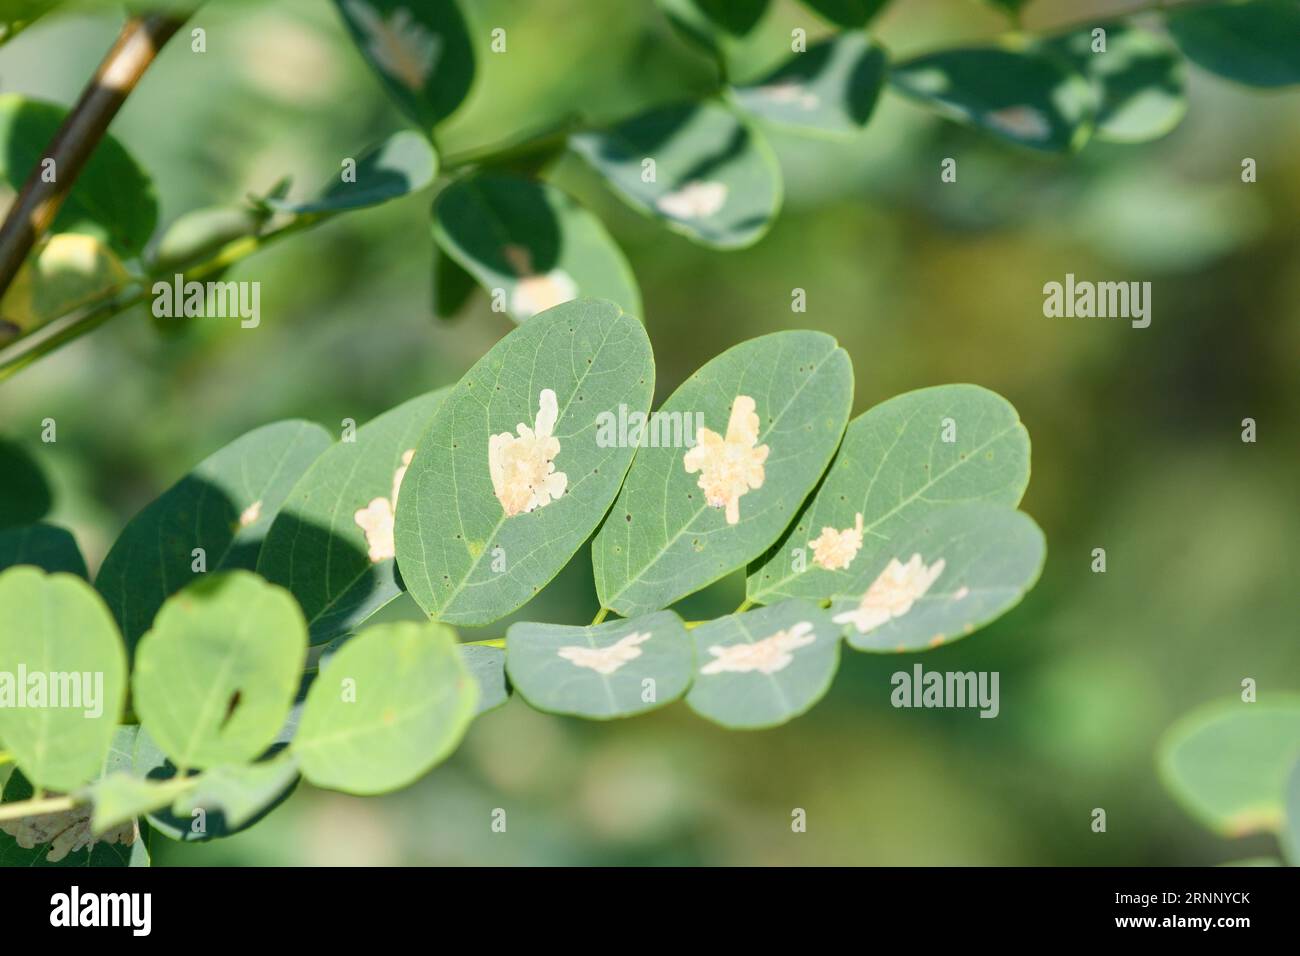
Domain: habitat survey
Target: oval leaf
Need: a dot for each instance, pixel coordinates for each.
(1018, 96)
(603, 671)
(481, 526)
(713, 24)
(1228, 764)
(331, 544)
(43, 545)
(224, 507)
(25, 496)
(664, 538)
(714, 179)
(530, 245)
(62, 677)
(401, 164)
(391, 703)
(1253, 43)
(764, 667)
(66, 272)
(830, 88)
(850, 14)
(939, 579)
(216, 675)
(421, 52)
(112, 199)
(895, 468)
(1138, 80)
(487, 665)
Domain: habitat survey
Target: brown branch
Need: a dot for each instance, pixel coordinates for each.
(38, 202)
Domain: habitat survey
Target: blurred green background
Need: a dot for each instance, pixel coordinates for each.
(1136, 433)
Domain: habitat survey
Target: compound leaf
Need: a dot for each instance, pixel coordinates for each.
(470, 550)
(602, 671)
(216, 675)
(392, 702)
(62, 677)
(695, 167)
(224, 507)
(672, 532)
(530, 245)
(764, 667)
(1017, 95)
(331, 544)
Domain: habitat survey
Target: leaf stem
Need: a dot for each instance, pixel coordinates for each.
(38, 807)
(745, 605)
(488, 642)
(600, 616)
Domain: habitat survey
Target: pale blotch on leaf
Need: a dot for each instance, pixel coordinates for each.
(250, 514)
(66, 832)
(892, 594)
(403, 47)
(376, 518)
(523, 468)
(696, 200)
(1024, 122)
(767, 656)
(731, 466)
(835, 550)
(536, 293)
(606, 660)
(792, 93)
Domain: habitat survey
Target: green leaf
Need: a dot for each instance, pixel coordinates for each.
(65, 839)
(232, 797)
(65, 272)
(58, 641)
(1252, 43)
(830, 88)
(468, 556)
(715, 180)
(331, 544)
(714, 24)
(25, 496)
(1018, 96)
(1138, 80)
(215, 677)
(120, 797)
(113, 199)
(45, 546)
(1012, 7)
(421, 52)
(896, 470)
(850, 14)
(664, 540)
(487, 665)
(402, 164)
(393, 702)
(603, 671)
(975, 563)
(530, 245)
(1228, 763)
(764, 667)
(200, 233)
(452, 285)
(224, 506)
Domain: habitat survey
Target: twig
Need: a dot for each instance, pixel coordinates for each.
(35, 808)
(39, 200)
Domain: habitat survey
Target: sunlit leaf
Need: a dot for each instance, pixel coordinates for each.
(665, 538)
(530, 245)
(223, 507)
(602, 671)
(1016, 95)
(67, 271)
(696, 167)
(113, 199)
(391, 703)
(62, 677)
(1228, 764)
(331, 544)
(1139, 80)
(216, 675)
(421, 52)
(120, 797)
(1253, 43)
(830, 88)
(470, 549)
(402, 164)
(897, 468)
(764, 667)
(45, 546)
